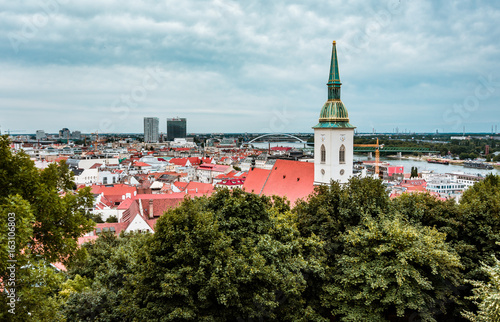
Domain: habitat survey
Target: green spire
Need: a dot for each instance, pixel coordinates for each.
(334, 67)
(334, 114)
(334, 79)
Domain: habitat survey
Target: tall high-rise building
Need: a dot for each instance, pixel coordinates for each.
(333, 135)
(65, 133)
(151, 129)
(176, 128)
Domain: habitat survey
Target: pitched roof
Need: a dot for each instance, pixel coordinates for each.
(160, 202)
(198, 187)
(96, 166)
(293, 179)
(114, 193)
(231, 182)
(255, 180)
(141, 164)
(213, 167)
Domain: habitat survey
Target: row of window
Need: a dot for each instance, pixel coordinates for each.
(341, 154)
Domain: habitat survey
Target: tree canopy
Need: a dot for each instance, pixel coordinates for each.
(45, 217)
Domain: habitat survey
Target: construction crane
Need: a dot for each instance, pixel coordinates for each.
(377, 154)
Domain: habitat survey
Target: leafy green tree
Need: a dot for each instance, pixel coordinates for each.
(333, 209)
(391, 267)
(370, 240)
(480, 225)
(103, 279)
(427, 210)
(486, 296)
(233, 256)
(111, 219)
(47, 218)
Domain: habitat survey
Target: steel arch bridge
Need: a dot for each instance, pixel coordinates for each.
(277, 134)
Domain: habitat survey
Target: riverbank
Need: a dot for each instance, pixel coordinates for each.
(422, 164)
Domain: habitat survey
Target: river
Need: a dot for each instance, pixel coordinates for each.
(421, 165)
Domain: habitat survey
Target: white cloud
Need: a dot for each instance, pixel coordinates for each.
(228, 66)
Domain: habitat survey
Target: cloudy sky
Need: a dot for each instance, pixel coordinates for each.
(247, 66)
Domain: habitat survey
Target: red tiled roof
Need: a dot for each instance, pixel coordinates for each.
(96, 166)
(125, 204)
(198, 187)
(114, 192)
(213, 167)
(160, 202)
(255, 180)
(232, 182)
(180, 185)
(193, 160)
(231, 175)
(293, 179)
(141, 164)
(179, 161)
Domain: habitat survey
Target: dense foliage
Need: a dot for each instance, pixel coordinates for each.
(40, 221)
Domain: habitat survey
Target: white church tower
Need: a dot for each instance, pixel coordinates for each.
(333, 135)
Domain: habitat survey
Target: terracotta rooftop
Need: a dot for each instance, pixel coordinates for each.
(291, 179)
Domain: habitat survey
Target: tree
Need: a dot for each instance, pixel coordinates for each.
(369, 242)
(112, 219)
(480, 225)
(425, 209)
(390, 267)
(233, 256)
(486, 296)
(414, 172)
(46, 218)
(333, 209)
(103, 279)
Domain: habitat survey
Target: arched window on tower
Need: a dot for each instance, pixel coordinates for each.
(323, 153)
(342, 154)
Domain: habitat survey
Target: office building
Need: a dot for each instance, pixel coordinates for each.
(151, 129)
(176, 128)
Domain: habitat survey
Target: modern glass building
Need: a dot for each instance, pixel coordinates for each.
(176, 128)
(151, 129)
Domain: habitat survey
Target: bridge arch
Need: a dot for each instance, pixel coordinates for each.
(276, 134)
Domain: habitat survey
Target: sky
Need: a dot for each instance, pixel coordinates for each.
(247, 66)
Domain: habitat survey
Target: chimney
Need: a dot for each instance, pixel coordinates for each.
(151, 213)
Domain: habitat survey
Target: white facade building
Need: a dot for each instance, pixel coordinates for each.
(151, 129)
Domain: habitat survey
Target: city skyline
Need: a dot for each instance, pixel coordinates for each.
(258, 67)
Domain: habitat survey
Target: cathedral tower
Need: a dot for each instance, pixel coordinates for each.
(333, 135)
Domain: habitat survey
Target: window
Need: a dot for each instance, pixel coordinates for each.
(342, 154)
(323, 154)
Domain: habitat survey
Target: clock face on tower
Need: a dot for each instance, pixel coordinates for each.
(342, 172)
